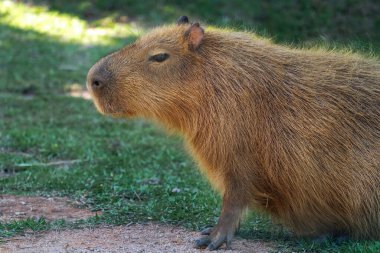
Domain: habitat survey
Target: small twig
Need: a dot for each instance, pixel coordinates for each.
(129, 224)
(138, 196)
(56, 163)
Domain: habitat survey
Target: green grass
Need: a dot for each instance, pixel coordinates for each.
(129, 168)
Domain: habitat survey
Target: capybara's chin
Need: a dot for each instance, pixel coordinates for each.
(101, 106)
(291, 132)
(108, 109)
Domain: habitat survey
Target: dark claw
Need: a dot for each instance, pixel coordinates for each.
(229, 240)
(228, 244)
(216, 243)
(202, 242)
(211, 246)
(207, 231)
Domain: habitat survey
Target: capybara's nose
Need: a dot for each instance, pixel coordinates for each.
(96, 83)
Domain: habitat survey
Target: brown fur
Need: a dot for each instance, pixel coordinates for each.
(295, 133)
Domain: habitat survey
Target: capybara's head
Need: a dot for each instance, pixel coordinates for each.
(150, 74)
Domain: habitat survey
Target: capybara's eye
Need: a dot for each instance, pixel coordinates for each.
(159, 57)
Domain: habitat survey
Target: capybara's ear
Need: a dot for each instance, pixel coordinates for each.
(194, 36)
(183, 20)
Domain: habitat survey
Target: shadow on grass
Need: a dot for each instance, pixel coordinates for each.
(287, 21)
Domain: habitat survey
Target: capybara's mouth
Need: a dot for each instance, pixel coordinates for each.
(102, 107)
(108, 109)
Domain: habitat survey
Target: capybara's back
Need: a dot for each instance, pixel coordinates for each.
(295, 133)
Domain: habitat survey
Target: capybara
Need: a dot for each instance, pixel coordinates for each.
(291, 132)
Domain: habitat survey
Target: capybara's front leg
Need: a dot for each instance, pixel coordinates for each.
(227, 225)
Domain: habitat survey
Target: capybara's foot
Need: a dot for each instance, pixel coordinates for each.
(225, 230)
(215, 237)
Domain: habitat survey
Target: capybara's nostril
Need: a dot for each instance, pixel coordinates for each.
(96, 84)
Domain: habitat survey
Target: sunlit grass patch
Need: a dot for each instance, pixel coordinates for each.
(42, 50)
(63, 27)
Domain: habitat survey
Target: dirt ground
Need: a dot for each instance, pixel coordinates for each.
(148, 237)
(133, 238)
(21, 207)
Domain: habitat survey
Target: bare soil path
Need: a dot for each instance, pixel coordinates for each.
(21, 207)
(148, 237)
